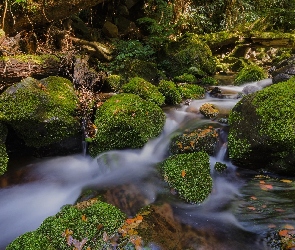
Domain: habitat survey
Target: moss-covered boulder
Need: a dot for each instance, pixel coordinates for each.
(3, 153)
(196, 140)
(83, 226)
(262, 131)
(114, 82)
(126, 121)
(170, 91)
(144, 89)
(41, 112)
(189, 175)
(187, 52)
(191, 91)
(250, 73)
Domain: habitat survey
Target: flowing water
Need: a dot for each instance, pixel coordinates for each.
(239, 214)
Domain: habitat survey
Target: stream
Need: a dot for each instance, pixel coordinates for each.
(242, 212)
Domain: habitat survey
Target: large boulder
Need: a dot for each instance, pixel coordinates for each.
(41, 113)
(126, 121)
(262, 131)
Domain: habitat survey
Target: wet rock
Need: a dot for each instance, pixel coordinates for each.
(110, 30)
(209, 110)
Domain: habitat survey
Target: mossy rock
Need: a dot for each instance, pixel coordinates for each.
(139, 68)
(3, 153)
(195, 140)
(144, 89)
(250, 73)
(186, 78)
(262, 129)
(189, 175)
(209, 110)
(187, 52)
(126, 121)
(114, 82)
(41, 112)
(170, 91)
(220, 167)
(191, 91)
(81, 225)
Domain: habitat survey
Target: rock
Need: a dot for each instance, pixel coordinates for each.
(42, 113)
(189, 175)
(110, 30)
(249, 89)
(284, 70)
(209, 110)
(262, 129)
(195, 140)
(126, 121)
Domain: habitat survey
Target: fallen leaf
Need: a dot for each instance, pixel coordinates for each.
(183, 173)
(283, 232)
(266, 186)
(129, 221)
(84, 218)
(251, 208)
(286, 181)
(253, 198)
(288, 226)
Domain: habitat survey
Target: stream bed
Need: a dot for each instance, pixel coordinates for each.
(246, 210)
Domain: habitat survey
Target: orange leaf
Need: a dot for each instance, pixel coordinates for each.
(139, 218)
(84, 218)
(251, 208)
(253, 198)
(129, 221)
(183, 173)
(286, 181)
(262, 182)
(266, 186)
(283, 232)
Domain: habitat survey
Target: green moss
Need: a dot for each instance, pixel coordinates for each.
(191, 91)
(115, 82)
(144, 89)
(250, 73)
(220, 167)
(41, 112)
(37, 59)
(30, 241)
(126, 121)
(189, 174)
(194, 141)
(189, 51)
(262, 128)
(209, 80)
(170, 91)
(186, 78)
(78, 223)
(3, 153)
